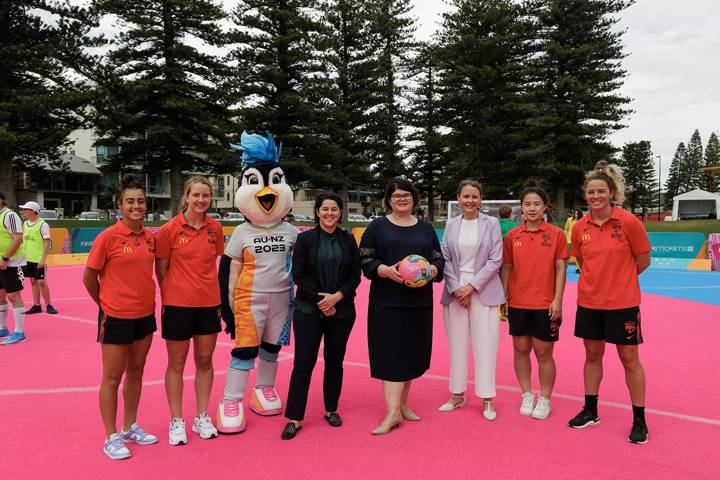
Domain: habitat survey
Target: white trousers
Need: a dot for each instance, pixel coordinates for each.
(479, 324)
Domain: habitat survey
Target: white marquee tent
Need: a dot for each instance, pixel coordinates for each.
(695, 204)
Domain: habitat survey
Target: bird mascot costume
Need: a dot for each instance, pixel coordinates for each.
(255, 282)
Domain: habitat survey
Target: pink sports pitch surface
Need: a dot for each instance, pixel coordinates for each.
(51, 424)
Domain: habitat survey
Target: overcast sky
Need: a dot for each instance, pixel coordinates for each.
(673, 67)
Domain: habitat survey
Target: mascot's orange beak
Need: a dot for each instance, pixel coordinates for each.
(266, 199)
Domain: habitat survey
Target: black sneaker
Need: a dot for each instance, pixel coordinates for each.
(639, 432)
(290, 431)
(584, 419)
(34, 309)
(50, 309)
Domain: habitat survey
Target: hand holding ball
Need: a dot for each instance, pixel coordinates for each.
(415, 271)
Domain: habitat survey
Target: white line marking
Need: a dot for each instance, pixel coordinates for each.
(288, 355)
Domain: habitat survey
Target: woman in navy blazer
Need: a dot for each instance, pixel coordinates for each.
(326, 270)
(472, 249)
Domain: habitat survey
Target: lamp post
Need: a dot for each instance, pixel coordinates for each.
(659, 158)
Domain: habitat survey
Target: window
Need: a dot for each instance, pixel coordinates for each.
(227, 196)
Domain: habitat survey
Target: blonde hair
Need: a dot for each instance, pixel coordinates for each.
(610, 174)
(192, 181)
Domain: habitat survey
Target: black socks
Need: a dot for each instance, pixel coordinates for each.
(591, 402)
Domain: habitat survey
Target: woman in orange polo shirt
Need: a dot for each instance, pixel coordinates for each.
(612, 249)
(533, 275)
(187, 248)
(119, 279)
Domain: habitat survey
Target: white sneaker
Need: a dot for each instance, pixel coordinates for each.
(138, 435)
(176, 432)
(115, 448)
(526, 407)
(203, 426)
(542, 409)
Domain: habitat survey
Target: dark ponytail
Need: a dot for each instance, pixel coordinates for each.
(129, 181)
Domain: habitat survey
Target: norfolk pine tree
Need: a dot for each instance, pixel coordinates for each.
(712, 157)
(484, 49)
(349, 88)
(427, 157)
(639, 172)
(673, 183)
(41, 99)
(278, 77)
(162, 97)
(393, 30)
(578, 78)
(690, 175)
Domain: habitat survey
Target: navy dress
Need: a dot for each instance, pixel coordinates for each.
(400, 319)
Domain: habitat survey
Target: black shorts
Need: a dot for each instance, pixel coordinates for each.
(12, 279)
(182, 323)
(31, 270)
(526, 322)
(124, 331)
(621, 327)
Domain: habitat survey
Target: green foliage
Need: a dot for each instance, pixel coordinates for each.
(639, 172)
(40, 102)
(342, 157)
(279, 77)
(484, 49)
(690, 174)
(427, 158)
(712, 157)
(162, 96)
(577, 81)
(392, 38)
(674, 181)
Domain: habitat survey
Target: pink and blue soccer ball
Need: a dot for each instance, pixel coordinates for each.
(415, 271)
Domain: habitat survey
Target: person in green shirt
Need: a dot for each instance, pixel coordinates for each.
(505, 223)
(36, 244)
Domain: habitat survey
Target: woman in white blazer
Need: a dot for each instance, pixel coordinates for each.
(472, 248)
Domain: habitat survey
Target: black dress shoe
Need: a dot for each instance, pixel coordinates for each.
(290, 431)
(34, 309)
(334, 419)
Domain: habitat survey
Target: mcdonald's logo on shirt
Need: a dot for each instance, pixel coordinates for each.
(585, 237)
(127, 249)
(517, 243)
(183, 240)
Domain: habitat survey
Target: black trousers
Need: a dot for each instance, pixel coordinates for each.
(308, 331)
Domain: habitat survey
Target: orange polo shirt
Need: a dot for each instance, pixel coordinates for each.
(609, 278)
(191, 278)
(125, 261)
(532, 255)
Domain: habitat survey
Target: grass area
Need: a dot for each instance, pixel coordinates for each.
(703, 226)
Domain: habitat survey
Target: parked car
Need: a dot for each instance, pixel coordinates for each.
(156, 217)
(214, 215)
(89, 216)
(299, 217)
(356, 217)
(48, 215)
(233, 217)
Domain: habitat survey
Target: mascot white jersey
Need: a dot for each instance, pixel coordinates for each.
(255, 282)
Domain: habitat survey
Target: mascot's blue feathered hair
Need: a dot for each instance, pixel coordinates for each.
(257, 149)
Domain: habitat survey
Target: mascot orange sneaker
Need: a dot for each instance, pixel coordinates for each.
(265, 401)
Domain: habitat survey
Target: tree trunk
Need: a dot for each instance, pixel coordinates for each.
(7, 182)
(176, 186)
(560, 213)
(346, 202)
